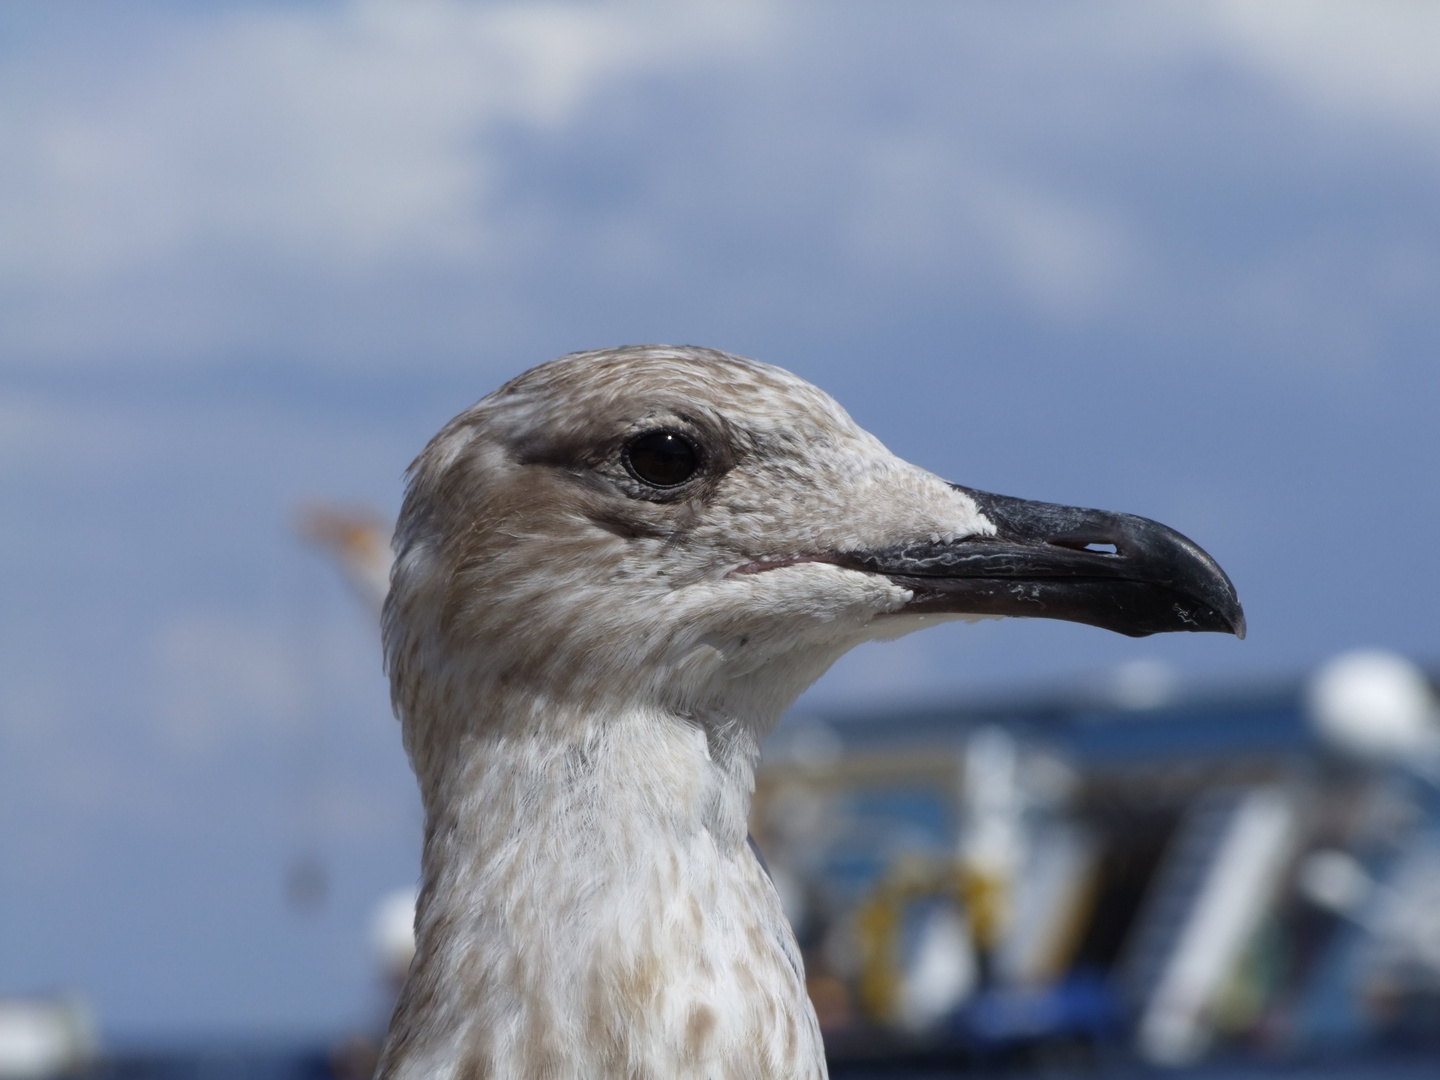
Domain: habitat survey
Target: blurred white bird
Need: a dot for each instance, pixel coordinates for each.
(612, 575)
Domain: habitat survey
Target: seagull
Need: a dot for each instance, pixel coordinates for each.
(611, 577)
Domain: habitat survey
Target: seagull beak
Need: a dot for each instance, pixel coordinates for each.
(1116, 571)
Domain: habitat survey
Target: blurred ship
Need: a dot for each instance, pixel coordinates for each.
(1132, 875)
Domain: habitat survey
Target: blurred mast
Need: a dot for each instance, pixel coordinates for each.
(357, 540)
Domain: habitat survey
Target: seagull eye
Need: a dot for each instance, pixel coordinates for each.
(662, 458)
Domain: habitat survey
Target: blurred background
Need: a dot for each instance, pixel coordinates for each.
(1177, 260)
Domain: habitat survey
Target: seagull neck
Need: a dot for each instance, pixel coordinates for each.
(602, 779)
(576, 867)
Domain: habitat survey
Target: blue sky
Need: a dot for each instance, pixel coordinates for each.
(1179, 260)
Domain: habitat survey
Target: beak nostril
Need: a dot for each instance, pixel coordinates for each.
(1097, 547)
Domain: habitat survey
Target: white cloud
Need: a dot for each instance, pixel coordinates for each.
(923, 204)
(344, 135)
(1344, 57)
(1069, 257)
(387, 182)
(335, 141)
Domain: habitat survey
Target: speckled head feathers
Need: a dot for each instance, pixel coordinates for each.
(529, 553)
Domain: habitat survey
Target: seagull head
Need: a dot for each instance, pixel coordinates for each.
(685, 530)
(611, 576)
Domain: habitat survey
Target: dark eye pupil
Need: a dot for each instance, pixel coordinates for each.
(662, 458)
